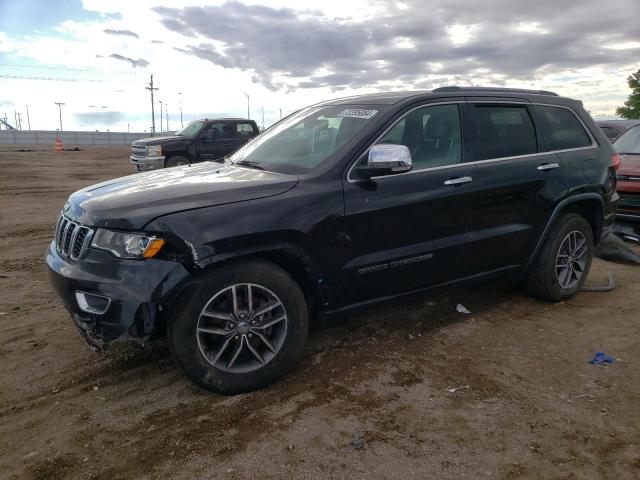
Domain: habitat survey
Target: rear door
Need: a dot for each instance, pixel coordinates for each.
(517, 184)
(411, 230)
(215, 141)
(564, 133)
(244, 131)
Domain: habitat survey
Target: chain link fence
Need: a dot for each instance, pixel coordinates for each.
(47, 137)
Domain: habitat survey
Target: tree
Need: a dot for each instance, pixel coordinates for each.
(631, 107)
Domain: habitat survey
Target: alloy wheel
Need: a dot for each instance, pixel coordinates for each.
(241, 328)
(571, 259)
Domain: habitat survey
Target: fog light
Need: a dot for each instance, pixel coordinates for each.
(92, 303)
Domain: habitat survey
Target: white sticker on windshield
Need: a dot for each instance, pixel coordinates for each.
(357, 113)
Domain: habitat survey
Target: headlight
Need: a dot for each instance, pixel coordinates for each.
(127, 245)
(154, 151)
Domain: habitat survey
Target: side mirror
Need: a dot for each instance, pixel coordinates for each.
(385, 159)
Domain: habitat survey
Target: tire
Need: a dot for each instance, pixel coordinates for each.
(548, 278)
(206, 330)
(175, 161)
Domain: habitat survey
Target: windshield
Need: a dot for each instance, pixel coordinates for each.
(306, 139)
(629, 141)
(191, 129)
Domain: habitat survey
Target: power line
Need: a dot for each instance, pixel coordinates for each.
(51, 79)
(53, 67)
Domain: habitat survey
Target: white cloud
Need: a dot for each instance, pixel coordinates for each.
(85, 54)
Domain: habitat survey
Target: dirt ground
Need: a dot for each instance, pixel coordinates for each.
(369, 399)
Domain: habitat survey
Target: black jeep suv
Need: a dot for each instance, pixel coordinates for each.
(342, 204)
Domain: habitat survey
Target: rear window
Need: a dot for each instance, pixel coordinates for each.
(560, 128)
(505, 131)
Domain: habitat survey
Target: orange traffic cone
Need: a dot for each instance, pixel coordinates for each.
(58, 143)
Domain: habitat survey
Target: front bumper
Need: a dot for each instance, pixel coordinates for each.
(135, 289)
(146, 163)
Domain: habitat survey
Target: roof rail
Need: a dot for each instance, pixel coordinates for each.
(455, 88)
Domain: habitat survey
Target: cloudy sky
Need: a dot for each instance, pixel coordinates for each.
(96, 56)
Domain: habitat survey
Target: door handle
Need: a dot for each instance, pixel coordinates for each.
(548, 166)
(458, 181)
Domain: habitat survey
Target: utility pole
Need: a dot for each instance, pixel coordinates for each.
(166, 114)
(60, 104)
(247, 95)
(151, 88)
(28, 119)
(19, 121)
(160, 115)
(262, 118)
(280, 114)
(180, 97)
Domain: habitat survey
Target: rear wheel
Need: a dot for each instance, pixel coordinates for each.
(563, 263)
(175, 161)
(243, 327)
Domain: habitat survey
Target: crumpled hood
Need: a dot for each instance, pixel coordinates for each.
(629, 165)
(131, 202)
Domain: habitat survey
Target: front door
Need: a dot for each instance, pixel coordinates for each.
(411, 230)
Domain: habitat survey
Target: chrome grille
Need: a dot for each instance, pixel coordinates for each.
(72, 239)
(138, 150)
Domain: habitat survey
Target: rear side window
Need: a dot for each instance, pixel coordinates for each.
(244, 129)
(560, 128)
(505, 131)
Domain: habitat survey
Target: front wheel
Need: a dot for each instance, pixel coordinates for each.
(242, 328)
(176, 161)
(563, 263)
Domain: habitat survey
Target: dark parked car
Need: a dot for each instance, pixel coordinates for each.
(628, 146)
(200, 140)
(614, 128)
(342, 204)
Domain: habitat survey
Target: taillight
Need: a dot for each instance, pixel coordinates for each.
(615, 161)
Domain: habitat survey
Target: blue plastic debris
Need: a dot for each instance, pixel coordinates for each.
(600, 359)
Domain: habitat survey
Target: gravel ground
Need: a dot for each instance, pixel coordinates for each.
(369, 399)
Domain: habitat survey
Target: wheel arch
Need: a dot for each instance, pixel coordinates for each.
(588, 205)
(292, 258)
(185, 154)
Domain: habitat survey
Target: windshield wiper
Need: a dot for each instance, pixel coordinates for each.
(247, 163)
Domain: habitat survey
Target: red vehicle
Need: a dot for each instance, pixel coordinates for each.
(628, 146)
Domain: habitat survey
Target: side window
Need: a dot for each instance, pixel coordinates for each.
(214, 131)
(432, 135)
(560, 128)
(244, 130)
(505, 131)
